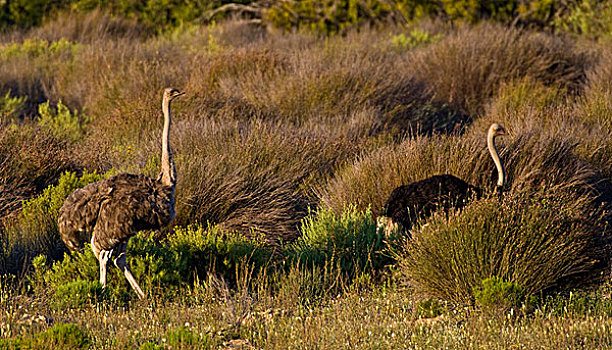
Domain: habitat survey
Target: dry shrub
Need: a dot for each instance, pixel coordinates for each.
(325, 83)
(540, 241)
(31, 159)
(466, 68)
(94, 26)
(249, 177)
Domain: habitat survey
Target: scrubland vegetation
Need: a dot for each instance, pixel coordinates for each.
(299, 120)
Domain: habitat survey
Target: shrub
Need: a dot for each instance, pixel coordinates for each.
(188, 254)
(350, 241)
(495, 293)
(10, 107)
(64, 336)
(325, 16)
(77, 294)
(586, 17)
(63, 123)
(467, 67)
(543, 241)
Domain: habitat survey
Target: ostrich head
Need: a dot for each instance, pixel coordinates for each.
(497, 130)
(172, 93)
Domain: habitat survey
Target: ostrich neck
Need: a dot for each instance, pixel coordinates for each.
(501, 171)
(168, 175)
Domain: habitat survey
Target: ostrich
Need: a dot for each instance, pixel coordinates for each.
(115, 209)
(419, 199)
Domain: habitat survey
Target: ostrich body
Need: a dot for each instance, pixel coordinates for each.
(418, 199)
(111, 211)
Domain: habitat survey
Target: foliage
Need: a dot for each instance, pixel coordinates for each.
(326, 16)
(349, 240)
(33, 48)
(495, 293)
(541, 242)
(415, 38)
(10, 107)
(60, 336)
(78, 294)
(591, 18)
(186, 255)
(64, 335)
(63, 123)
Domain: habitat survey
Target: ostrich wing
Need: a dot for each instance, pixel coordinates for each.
(79, 214)
(133, 203)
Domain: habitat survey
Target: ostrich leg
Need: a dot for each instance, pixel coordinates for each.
(103, 259)
(121, 263)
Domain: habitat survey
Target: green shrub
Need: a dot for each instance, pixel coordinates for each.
(349, 240)
(34, 48)
(590, 18)
(542, 242)
(416, 37)
(326, 16)
(495, 293)
(62, 336)
(63, 123)
(77, 294)
(186, 254)
(200, 250)
(10, 107)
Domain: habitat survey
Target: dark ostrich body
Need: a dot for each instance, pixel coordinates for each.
(111, 211)
(419, 199)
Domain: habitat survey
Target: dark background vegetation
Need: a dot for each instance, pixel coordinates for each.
(299, 120)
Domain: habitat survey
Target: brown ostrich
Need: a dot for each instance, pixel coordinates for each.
(111, 211)
(418, 199)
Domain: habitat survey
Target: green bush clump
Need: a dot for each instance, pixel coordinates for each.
(63, 336)
(34, 48)
(78, 294)
(187, 254)
(349, 240)
(10, 107)
(181, 338)
(591, 18)
(63, 123)
(542, 242)
(60, 336)
(495, 293)
(415, 38)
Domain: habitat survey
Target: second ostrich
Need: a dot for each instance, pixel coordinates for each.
(418, 199)
(111, 211)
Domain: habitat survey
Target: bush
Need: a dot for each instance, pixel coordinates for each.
(188, 254)
(350, 241)
(467, 67)
(542, 242)
(495, 293)
(63, 123)
(65, 336)
(77, 294)
(10, 107)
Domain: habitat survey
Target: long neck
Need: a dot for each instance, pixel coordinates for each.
(501, 171)
(168, 175)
